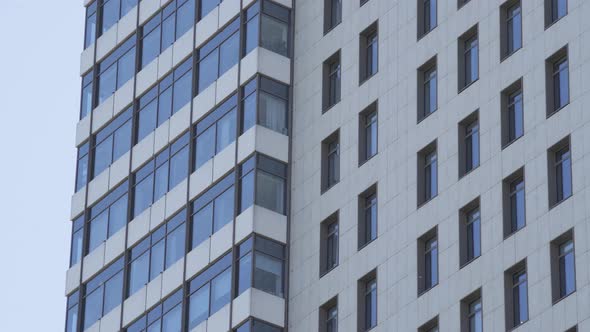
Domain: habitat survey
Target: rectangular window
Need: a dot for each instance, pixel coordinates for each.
(265, 102)
(512, 113)
(103, 293)
(367, 301)
(263, 182)
(157, 252)
(469, 144)
(72, 312)
(430, 326)
(472, 313)
(560, 172)
(159, 175)
(212, 210)
(82, 166)
(516, 295)
(111, 11)
(514, 202)
(427, 89)
(112, 142)
(87, 98)
(167, 316)
(369, 52)
(329, 244)
(554, 11)
(510, 27)
(330, 161)
(427, 173)
(161, 31)
(261, 265)
(269, 30)
(470, 232)
(166, 98)
(427, 16)
(367, 216)
(468, 58)
(368, 128)
(77, 242)
(209, 291)
(427, 261)
(331, 81)
(557, 81)
(563, 266)
(215, 132)
(218, 55)
(329, 316)
(107, 216)
(90, 32)
(332, 14)
(116, 69)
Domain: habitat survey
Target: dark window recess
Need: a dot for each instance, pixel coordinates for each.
(166, 98)
(427, 173)
(470, 232)
(328, 316)
(427, 89)
(112, 142)
(367, 301)
(428, 261)
(265, 102)
(116, 69)
(514, 202)
(369, 52)
(267, 27)
(472, 313)
(511, 27)
(469, 144)
(82, 166)
(563, 266)
(330, 161)
(167, 314)
(427, 16)
(430, 326)
(367, 218)
(159, 175)
(516, 295)
(332, 14)
(161, 31)
(218, 55)
(107, 216)
(263, 182)
(368, 133)
(103, 293)
(331, 81)
(554, 11)
(557, 81)
(512, 117)
(468, 58)
(560, 172)
(329, 243)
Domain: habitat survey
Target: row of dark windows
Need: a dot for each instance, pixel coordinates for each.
(265, 24)
(258, 180)
(264, 102)
(563, 278)
(255, 263)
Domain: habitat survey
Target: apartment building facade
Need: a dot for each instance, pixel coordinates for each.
(332, 165)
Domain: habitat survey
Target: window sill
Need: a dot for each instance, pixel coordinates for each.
(461, 176)
(469, 262)
(365, 79)
(366, 244)
(511, 142)
(324, 190)
(563, 297)
(506, 56)
(550, 114)
(427, 201)
(550, 24)
(468, 85)
(425, 33)
(507, 236)
(425, 116)
(426, 290)
(328, 271)
(327, 108)
(327, 31)
(554, 205)
(361, 163)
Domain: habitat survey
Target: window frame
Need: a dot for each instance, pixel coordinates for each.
(110, 131)
(468, 42)
(368, 46)
(427, 157)
(558, 174)
(553, 71)
(111, 272)
(332, 15)
(559, 289)
(255, 87)
(511, 97)
(426, 245)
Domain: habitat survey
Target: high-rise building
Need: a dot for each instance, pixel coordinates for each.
(332, 165)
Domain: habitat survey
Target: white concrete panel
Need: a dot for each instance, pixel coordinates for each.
(147, 8)
(241, 307)
(180, 122)
(161, 136)
(78, 201)
(102, 113)
(249, 66)
(114, 246)
(203, 102)
(138, 227)
(260, 220)
(182, 47)
(73, 277)
(134, 306)
(219, 321)
(224, 161)
(142, 151)
(154, 291)
(246, 144)
(228, 9)
(94, 328)
(197, 259)
(87, 59)
(274, 65)
(207, 27)
(226, 84)
(82, 130)
(221, 241)
(123, 97)
(201, 179)
(93, 262)
(172, 277)
(119, 170)
(158, 213)
(111, 321)
(268, 307)
(98, 187)
(106, 43)
(165, 62)
(127, 25)
(272, 143)
(146, 77)
(176, 198)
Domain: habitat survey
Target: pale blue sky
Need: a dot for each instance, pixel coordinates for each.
(40, 46)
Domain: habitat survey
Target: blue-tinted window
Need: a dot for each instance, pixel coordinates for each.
(430, 15)
(430, 176)
(161, 174)
(517, 205)
(563, 174)
(370, 310)
(113, 10)
(218, 55)
(431, 263)
(561, 90)
(160, 250)
(108, 216)
(215, 131)
(82, 167)
(207, 6)
(112, 142)
(90, 33)
(212, 210)
(520, 298)
(558, 9)
(471, 60)
(515, 116)
(267, 259)
(265, 102)
(263, 181)
(514, 28)
(171, 23)
(473, 230)
(77, 248)
(103, 293)
(165, 99)
(116, 69)
(255, 325)
(471, 141)
(252, 27)
(165, 317)
(72, 312)
(567, 270)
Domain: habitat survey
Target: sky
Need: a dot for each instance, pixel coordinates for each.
(40, 47)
